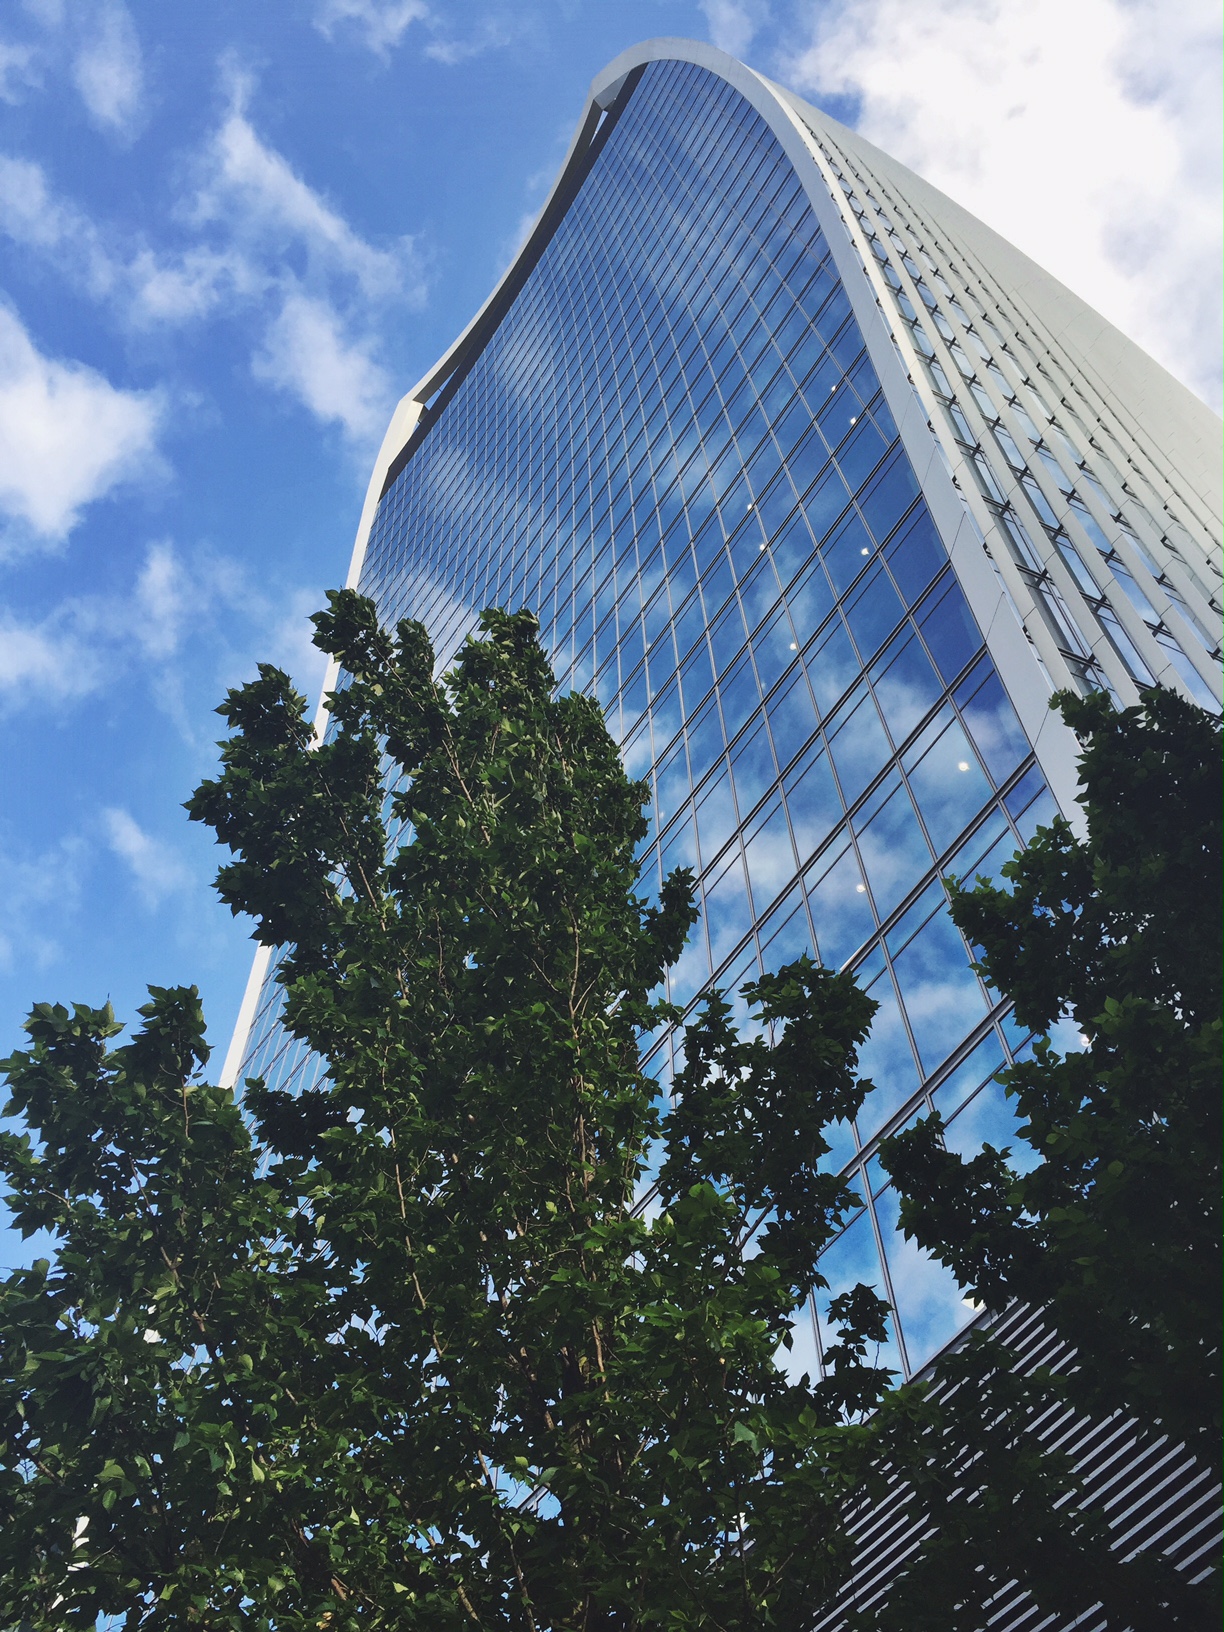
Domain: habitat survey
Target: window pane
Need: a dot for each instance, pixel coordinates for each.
(850, 1261)
(905, 684)
(992, 722)
(886, 1058)
(873, 610)
(946, 779)
(839, 907)
(931, 1308)
(888, 495)
(769, 854)
(813, 800)
(728, 916)
(857, 744)
(943, 999)
(716, 817)
(894, 851)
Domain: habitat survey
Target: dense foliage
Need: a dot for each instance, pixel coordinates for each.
(1115, 1234)
(403, 1347)
(400, 1349)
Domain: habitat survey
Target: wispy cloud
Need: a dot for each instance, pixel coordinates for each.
(145, 287)
(265, 248)
(108, 70)
(87, 641)
(535, 189)
(30, 214)
(379, 24)
(308, 353)
(163, 593)
(67, 435)
(257, 197)
(156, 869)
(734, 24)
(179, 614)
(329, 285)
(41, 660)
(490, 34)
(34, 888)
(1086, 134)
(40, 886)
(18, 72)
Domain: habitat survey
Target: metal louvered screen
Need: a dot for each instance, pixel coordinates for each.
(1154, 1493)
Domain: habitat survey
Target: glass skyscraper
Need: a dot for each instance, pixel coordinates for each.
(821, 488)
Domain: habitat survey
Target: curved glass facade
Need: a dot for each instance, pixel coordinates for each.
(1108, 551)
(675, 450)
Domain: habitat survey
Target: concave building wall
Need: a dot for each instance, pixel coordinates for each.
(820, 488)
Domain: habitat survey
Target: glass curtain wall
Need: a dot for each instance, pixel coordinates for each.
(1126, 601)
(674, 449)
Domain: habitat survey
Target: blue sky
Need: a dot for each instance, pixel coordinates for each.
(232, 235)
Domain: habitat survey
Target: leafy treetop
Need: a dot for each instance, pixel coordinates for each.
(403, 1343)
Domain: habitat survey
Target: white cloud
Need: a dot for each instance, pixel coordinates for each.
(381, 24)
(67, 436)
(268, 248)
(155, 868)
(79, 645)
(734, 24)
(28, 212)
(255, 193)
(50, 13)
(176, 612)
(536, 187)
(145, 287)
(34, 889)
(286, 638)
(17, 70)
(108, 71)
(33, 216)
(515, 239)
(174, 289)
(1086, 134)
(490, 35)
(307, 353)
(331, 285)
(163, 592)
(44, 661)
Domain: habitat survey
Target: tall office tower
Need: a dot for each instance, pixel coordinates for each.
(821, 488)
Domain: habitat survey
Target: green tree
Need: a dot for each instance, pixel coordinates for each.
(402, 1348)
(1115, 1234)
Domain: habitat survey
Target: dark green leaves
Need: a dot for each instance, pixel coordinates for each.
(1115, 1235)
(414, 1354)
(423, 1344)
(138, 1404)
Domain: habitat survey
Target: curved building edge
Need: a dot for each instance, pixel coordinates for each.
(1018, 644)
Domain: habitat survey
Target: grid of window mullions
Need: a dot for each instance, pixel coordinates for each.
(612, 534)
(715, 611)
(1022, 589)
(1045, 359)
(678, 478)
(828, 715)
(1126, 632)
(848, 831)
(846, 836)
